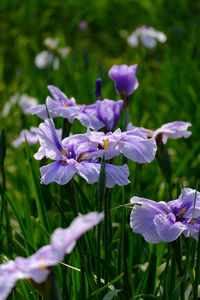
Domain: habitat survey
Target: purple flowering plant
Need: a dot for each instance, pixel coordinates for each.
(106, 157)
(37, 266)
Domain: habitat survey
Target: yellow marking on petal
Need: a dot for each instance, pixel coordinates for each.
(182, 210)
(165, 212)
(193, 221)
(65, 105)
(150, 134)
(82, 156)
(63, 162)
(66, 149)
(63, 152)
(43, 258)
(105, 144)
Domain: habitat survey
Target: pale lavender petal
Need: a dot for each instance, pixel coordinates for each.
(8, 278)
(116, 175)
(89, 120)
(31, 137)
(138, 149)
(141, 220)
(167, 229)
(157, 207)
(173, 130)
(148, 41)
(58, 172)
(64, 240)
(58, 109)
(49, 140)
(88, 170)
(38, 110)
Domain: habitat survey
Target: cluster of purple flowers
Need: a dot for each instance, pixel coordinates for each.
(36, 266)
(82, 153)
(78, 154)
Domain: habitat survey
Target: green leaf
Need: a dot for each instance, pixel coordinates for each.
(2, 147)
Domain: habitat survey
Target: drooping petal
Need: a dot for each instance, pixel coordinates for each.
(138, 149)
(89, 119)
(173, 130)
(64, 240)
(8, 278)
(31, 137)
(116, 175)
(38, 110)
(142, 221)
(60, 110)
(167, 229)
(89, 171)
(58, 172)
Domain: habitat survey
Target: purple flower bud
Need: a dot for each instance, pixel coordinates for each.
(98, 89)
(125, 78)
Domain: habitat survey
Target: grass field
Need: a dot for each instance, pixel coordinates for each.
(110, 261)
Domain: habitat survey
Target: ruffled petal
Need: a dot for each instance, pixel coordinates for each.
(138, 149)
(57, 172)
(167, 229)
(142, 221)
(89, 171)
(116, 175)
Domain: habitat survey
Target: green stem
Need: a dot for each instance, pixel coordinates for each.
(196, 282)
(66, 128)
(177, 248)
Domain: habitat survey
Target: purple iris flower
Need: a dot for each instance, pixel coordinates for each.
(132, 144)
(36, 266)
(70, 157)
(173, 130)
(108, 111)
(125, 78)
(165, 221)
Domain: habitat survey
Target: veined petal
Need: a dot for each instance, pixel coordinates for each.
(49, 140)
(142, 222)
(57, 172)
(138, 149)
(60, 110)
(116, 175)
(89, 120)
(89, 171)
(173, 130)
(168, 230)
